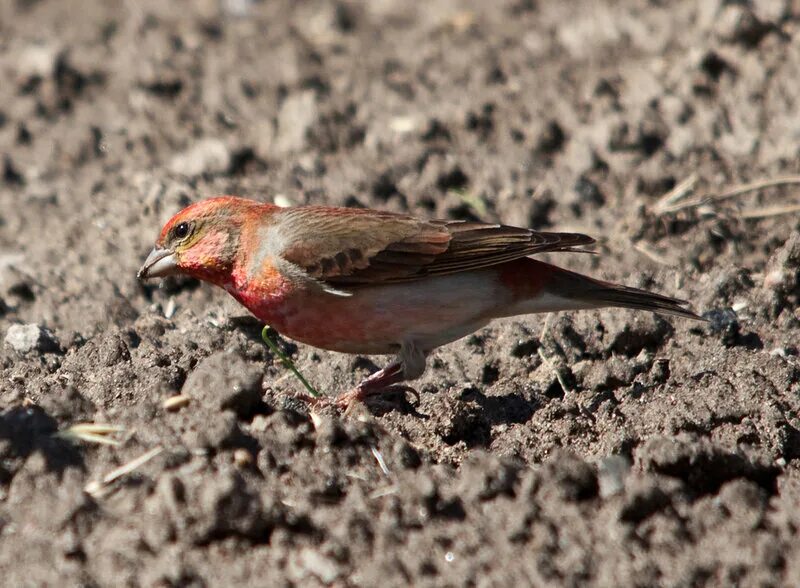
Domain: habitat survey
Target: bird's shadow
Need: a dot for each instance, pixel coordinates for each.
(395, 399)
(248, 325)
(252, 328)
(24, 430)
(512, 408)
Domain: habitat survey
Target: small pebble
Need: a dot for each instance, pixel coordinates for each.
(169, 311)
(29, 338)
(611, 474)
(242, 458)
(725, 323)
(177, 402)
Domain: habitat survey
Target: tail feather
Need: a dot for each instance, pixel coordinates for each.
(627, 297)
(599, 294)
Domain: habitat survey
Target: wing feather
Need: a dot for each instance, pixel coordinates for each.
(345, 247)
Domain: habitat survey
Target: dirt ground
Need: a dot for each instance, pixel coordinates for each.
(607, 448)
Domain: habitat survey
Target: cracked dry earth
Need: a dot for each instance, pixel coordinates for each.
(606, 448)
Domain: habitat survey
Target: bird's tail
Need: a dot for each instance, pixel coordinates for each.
(593, 293)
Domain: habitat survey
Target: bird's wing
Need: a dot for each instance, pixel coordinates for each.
(351, 247)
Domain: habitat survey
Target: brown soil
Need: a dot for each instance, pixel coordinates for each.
(612, 448)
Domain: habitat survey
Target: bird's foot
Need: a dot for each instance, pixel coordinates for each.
(347, 400)
(382, 382)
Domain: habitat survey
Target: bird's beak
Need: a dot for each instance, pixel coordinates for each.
(160, 263)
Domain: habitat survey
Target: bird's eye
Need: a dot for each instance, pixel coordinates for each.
(182, 230)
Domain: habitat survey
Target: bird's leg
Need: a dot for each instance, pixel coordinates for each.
(410, 364)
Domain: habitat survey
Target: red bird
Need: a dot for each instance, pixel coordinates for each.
(371, 282)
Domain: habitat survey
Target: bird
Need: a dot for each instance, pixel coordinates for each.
(371, 282)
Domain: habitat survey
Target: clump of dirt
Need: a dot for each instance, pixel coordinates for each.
(606, 448)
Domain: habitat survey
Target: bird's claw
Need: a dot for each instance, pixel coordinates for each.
(405, 390)
(347, 400)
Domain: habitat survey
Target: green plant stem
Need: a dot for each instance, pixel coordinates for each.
(288, 363)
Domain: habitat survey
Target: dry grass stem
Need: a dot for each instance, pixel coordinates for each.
(652, 255)
(316, 420)
(769, 211)
(546, 327)
(92, 433)
(98, 488)
(555, 370)
(381, 463)
(755, 186)
(678, 193)
(381, 492)
(674, 200)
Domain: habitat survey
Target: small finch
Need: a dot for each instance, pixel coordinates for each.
(371, 282)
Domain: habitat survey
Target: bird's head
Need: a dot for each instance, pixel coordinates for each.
(201, 240)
